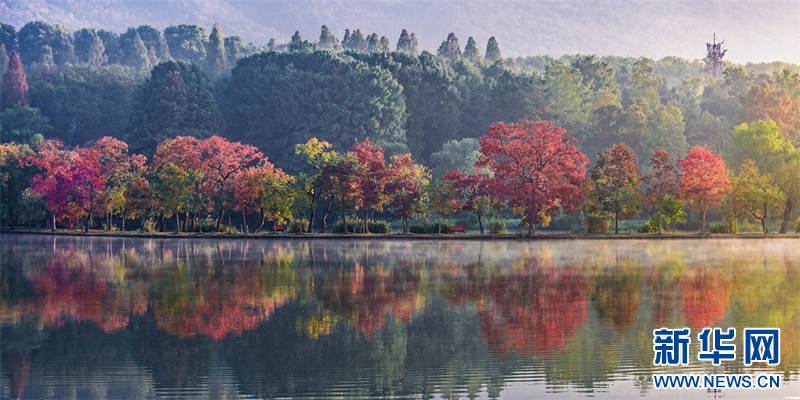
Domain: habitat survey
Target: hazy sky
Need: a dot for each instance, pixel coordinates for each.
(758, 31)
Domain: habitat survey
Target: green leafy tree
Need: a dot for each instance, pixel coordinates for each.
(111, 45)
(764, 144)
(176, 100)
(235, 48)
(449, 47)
(137, 57)
(384, 44)
(22, 125)
(327, 40)
(89, 47)
(756, 194)
(34, 35)
(373, 43)
(456, 155)
(8, 36)
(187, 42)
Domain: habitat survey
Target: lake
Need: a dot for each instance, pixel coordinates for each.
(130, 318)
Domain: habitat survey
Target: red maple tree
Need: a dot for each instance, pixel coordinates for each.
(473, 192)
(371, 178)
(536, 168)
(704, 181)
(662, 182)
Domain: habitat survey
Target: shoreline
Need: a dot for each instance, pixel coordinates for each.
(400, 236)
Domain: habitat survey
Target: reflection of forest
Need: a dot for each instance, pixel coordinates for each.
(103, 317)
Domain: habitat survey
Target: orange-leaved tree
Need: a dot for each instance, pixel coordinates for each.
(704, 180)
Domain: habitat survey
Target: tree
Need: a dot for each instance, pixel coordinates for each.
(357, 41)
(15, 84)
(473, 192)
(320, 159)
(89, 47)
(23, 125)
(460, 155)
(384, 44)
(704, 180)
(112, 50)
(187, 42)
(222, 160)
(118, 169)
(764, 143)
(371, 178)
(266, 190)
(327, 40)
(442, 199)
(215, 53)
(373, 43)
(616, 182)
(493, 50)
(235, 49)
(403, 43)
(137, 57)
(405, 187)
(471, 50)
(176, 100)
(186, 153)
(756, 194)
(8, 36)
(536, 168)
(662, 183)
(449, 48)
(763, 102)
(35, 35)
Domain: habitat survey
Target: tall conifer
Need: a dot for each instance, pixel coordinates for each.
(15, 84)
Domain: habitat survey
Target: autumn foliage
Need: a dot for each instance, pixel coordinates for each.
(704, 180)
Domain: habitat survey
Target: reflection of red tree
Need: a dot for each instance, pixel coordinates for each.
(705, 298)
(531, 313)
(73, 292)
(373, 294)
(229, 305)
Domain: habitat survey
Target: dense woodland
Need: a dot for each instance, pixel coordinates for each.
(96, 123)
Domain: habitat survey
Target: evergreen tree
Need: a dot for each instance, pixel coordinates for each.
(346, 39)
(46, 56)
(414, 45)
(493, 50)
(449, 48)
(156, 44)
(234, 49)
(327, 40)
(138, 58)
(15, 84)
(404, 43)
(215, 53)
(272, 45)
(175, 100)
(384, 45)
(471, 50)
(373, 43)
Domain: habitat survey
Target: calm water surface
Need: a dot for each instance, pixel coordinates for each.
(179, 318)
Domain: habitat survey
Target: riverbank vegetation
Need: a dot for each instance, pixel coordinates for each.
(195, 132)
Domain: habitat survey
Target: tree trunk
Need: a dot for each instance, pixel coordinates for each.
(405, 225)
(163, 223)
(177, 222)
(480, 222)
(123, 220)
(313, 212)
(194, 221)
(366, 223)
(703, 226)
(616, 223)
(263, 217)
(787, 214)
(52, 221)
(325, 216)
(531, 230)
(764, 219)
(185, 220)
(630, 225)
(219, 218)
(88, 221)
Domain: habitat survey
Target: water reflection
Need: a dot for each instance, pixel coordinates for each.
(149, 318)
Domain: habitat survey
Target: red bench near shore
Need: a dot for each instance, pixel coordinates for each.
(462, 229)
(278, 228)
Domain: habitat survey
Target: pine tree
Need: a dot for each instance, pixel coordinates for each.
(346, 39)
(414, 45)
(471, 50)
(493, 50)
(138, 58)
(373, 44)
(271, 45)
(15, 84)
(449, 48)
(384, 45)
(215, 53)
(404, 43)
